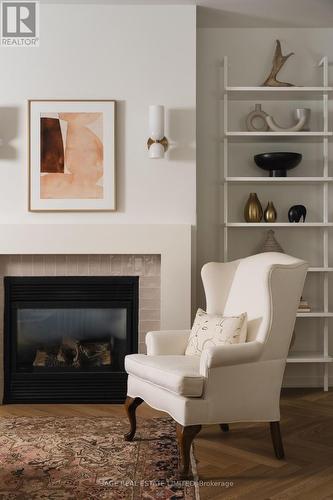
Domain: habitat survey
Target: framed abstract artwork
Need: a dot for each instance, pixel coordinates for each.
(71, 155)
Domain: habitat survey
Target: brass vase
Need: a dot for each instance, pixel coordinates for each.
(270, 212)
(253, 209)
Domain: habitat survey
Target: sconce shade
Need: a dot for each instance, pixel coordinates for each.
(156, 122)
(156, 150)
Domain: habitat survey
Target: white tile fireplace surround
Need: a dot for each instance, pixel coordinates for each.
(159, 255)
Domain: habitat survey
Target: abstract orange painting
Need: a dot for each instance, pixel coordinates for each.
(72, 155)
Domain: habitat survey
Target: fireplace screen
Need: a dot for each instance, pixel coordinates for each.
(71, 339)
(66, 338)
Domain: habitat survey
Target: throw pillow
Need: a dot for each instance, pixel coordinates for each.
(214, 329)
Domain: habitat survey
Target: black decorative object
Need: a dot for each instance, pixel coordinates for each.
(296, 212)
(277, 163)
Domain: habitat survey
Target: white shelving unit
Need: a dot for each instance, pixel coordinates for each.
(285, 93)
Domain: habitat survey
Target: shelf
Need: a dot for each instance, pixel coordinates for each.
(314, 314)
(273, 93)
(277, 134)
(278, 224)
(320, 269)
(238, 136)
(308, 357)
(275, 180)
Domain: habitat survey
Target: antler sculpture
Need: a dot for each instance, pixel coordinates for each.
(278, 62)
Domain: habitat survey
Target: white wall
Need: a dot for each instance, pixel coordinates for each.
(138, 55)
(250, 53)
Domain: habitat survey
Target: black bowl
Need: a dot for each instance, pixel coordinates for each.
(278, 163)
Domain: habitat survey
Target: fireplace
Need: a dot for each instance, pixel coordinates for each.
(65, 338)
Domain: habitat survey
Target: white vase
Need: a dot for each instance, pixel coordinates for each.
(256, 114)
(299, 113)
(302, 116)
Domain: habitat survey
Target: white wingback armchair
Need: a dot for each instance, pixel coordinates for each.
(227, 383)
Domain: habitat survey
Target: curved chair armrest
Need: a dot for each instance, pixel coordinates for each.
(167, 342)
(229, 354)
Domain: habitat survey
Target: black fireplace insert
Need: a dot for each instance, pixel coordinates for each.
(65, 338)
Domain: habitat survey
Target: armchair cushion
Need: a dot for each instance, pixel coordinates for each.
(177, 374)
(215, 329)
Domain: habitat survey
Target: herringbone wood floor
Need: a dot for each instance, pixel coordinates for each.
(244, 456)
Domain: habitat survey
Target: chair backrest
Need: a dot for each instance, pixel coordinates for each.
(268, 287)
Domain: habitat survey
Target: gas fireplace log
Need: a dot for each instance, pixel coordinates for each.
(74, 354)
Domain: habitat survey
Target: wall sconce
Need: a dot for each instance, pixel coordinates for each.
(157, 143)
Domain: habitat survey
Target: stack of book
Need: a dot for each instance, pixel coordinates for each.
(304, 306)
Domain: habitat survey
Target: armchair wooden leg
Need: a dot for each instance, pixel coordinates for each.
(131, 405)
(277, 439)
(224, 427)
(185, 436)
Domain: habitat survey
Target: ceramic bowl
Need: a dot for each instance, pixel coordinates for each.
(277, 163)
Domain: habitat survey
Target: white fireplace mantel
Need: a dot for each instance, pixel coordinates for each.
(172, 242)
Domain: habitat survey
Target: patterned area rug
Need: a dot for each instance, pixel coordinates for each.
(53, 458)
